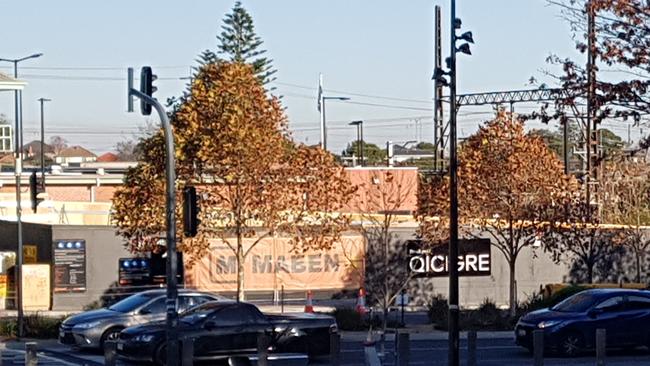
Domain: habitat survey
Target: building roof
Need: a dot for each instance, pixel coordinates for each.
(35, 147)
(7, 159)
(76, 152)
(9, 83)
(109, 157)
(399, 150)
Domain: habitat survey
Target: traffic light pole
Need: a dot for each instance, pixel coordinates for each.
(172, 270)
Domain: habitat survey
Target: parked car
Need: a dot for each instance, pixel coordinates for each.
(91, 329)
(221, 330)
(570, 326)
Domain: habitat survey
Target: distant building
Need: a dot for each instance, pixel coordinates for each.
(33, 150)
(74, 156)
(109, 157)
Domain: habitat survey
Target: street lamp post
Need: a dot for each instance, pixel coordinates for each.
(321, 108)
(359, 125)
(18, 142)
(42, 101)
(439, 77)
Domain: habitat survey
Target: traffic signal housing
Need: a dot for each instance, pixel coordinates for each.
(190, 212)
(34, 189)
(146, 87)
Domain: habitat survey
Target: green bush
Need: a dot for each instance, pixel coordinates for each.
(437, 311)
(349, 319)
(36, 326)
(538, 301)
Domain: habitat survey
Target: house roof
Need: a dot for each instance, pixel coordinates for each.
(35, 147)
(398, 150)
(9, 83)
(76, 152)
(109, 157)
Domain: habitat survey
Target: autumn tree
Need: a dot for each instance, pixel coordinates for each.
(58, 143)
(626, 201)
(382, 199)
(510, 185)
(254, 182)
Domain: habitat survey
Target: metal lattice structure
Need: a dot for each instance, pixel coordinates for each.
(510, 96)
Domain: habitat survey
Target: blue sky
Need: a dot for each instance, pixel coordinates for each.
(378, 48)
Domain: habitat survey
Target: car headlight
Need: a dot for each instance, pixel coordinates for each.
(548, 324)
(88, 325)
(143, 338)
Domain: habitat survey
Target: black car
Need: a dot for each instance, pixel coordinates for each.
(221, 330)
(570, 326)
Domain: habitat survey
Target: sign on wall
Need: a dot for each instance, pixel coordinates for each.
(134, 272)
(30, 253)
(474, 258)
(69, 265)
(36, 287)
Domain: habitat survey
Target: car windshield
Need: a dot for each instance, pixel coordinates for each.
(131, 303)
(577, 303)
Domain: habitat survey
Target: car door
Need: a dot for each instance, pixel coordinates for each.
(634, 320)
(606, 315)
(221, 335)
(253, 324)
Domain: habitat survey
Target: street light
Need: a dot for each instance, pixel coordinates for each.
(321, 108)
(18, 137)
(439, 76)
(359, 125)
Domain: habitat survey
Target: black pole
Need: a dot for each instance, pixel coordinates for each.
(18, 170)
(454, 358)
(361, 139)
(43, 100)
(566, 146)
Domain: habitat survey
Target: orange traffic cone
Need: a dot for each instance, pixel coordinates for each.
(309, 306)
(361, 302)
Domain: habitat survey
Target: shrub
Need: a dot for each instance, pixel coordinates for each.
(437, 311)
(36, 326)
(97, 304)
(539, 301)
(349, 319)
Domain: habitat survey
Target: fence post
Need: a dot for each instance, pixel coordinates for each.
(471, 348)
(110, 349)
(262, 349)
(187, 352)
(601, 343)
(538, 347)
(403, 349)
(335, 349)
(31, 359)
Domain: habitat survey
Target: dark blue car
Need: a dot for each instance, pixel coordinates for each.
(570, 326)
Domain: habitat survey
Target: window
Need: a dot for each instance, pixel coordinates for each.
(612, 304)
(238, 314)
(638, 303)
(157, 306)
(5, 138)
(188, 302)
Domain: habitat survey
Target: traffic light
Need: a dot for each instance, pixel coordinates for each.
(34, 189)
(190, 212)
(146, 87)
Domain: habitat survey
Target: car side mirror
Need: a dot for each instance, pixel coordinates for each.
(594, 312)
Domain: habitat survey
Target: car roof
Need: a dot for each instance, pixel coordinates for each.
(163, 291)
(607, 292)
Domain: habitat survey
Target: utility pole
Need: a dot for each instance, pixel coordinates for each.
(321, 108)
(438, 130)
(591, 125)
(42, 101)
(359, 125)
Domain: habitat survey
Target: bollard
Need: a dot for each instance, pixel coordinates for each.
(31, 359)
(601, 344)
(335, 349)
(538, 347)
(187, 352)
(110, 349)
(262, 349)
(403, 349)
(471, 348)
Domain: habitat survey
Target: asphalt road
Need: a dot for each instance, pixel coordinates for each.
(490, 352)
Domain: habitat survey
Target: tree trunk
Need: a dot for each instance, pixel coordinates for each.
(638, 266)
(590, 272)
(513, 288)
(240, 270)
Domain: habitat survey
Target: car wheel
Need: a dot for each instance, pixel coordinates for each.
(111, 334)
(571, 344)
